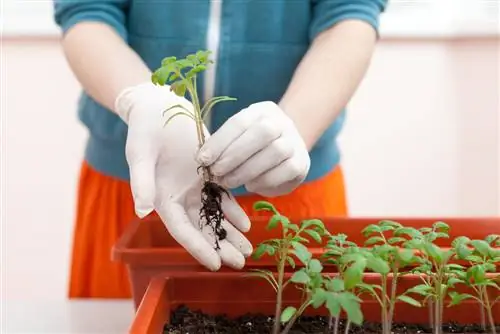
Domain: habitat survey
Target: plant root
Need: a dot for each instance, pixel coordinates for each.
(211, 213)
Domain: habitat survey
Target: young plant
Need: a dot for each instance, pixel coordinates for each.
(483, 258)
(438, 275)
(284, 249)
(386, 256)
(337, 249)
(181, 76)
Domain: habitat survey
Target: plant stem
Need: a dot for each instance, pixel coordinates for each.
(296, 316)
(347, 327)
(281, 273)
(489, 311)
(337, 323)
(393, 295)
(385, 328)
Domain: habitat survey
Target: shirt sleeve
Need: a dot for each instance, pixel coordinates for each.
(327, 13)
(67, 13)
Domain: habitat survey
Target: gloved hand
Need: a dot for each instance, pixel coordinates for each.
(260, 148)
(164, 177)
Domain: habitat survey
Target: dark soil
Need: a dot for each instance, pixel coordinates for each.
(185, 321)
(211, 210)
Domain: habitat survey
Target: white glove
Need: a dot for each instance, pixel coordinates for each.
(164, 176)
(260, 148)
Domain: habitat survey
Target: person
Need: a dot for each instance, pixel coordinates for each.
(292, 65)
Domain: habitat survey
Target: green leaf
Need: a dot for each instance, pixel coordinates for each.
(315, 266)
(434, 252)
(478, 273)
(396, 240)
(406, 255)
(374, 240)
(409, 231)
(457, 298)
(370, 229)
(378, 265)
(301, 252)
(421, 289)
(318, 297)
(462, 251)
(300, 277)
(287, 314)
(168, 60)
(462, 240)
(313, 222)
(264, 206)
(291, 261)
(481, 246)
(441, 226)
(351, 305)
(315, 235)
(474, 259)
(390, 223)
(409, 300)
(354, 273)
(490, 239)
(179, 88)
(294, 228)
(259, 251)
(333, 304)
(336, 285)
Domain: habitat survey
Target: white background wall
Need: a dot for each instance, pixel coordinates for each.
(422, 138)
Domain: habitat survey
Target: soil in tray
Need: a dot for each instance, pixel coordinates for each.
(184, 321)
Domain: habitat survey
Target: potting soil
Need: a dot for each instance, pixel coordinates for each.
(186, 321)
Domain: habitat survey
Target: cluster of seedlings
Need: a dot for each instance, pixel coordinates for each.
(390, 250)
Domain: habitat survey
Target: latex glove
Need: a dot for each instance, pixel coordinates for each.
(260, 148)
(164, 177)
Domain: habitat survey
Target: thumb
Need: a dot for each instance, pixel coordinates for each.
(141, 158)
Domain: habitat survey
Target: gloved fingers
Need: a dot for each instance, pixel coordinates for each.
(228, 253)
(237, 239)
(186, 232)
(259, 136)
(291, 172)
(273, 155)
(235, 214)
(219, 141)
(280, 190)
(141, 156)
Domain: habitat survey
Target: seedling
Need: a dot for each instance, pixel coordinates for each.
(483, 259)
(386, 257)
(437, 274)
(181, 75)
(284, 249)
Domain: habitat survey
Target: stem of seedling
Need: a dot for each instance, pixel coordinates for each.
(279, 297)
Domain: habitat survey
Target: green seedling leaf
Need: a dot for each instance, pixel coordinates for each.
(300, 239)
(315, 266)
(318, 297)
(179, 88)
(301, 252)
(462, 240)
(457, 298)
(265, 206)
(354, 273)
(421, 289)
(462, 251)
(441, 226)
(477, 273)
(168, 60)
(290, 261)
(481, 246)
(259, 251)
(313, 223)
(315, 235)
(405, 255)
(378, 265)
(293, 227)
(277, 219)
(287, 314)
(409, 300)
(300, 277)
(390, 223)
(333, 304)
(409, 231)
(371, 229)
(396, 240)
(490, 239)
(374, 240)
(351, 305)
(335, 285)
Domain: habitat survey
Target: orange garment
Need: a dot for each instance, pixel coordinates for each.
(105, 206)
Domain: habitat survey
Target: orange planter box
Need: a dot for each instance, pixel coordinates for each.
(233, 294)
(147, 249)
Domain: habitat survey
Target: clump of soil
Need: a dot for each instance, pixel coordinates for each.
(186, 321)
(211, 207)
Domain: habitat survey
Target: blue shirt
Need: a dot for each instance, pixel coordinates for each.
(256, 45)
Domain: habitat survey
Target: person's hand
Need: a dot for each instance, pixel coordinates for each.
(260, 148)
(164, 177)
